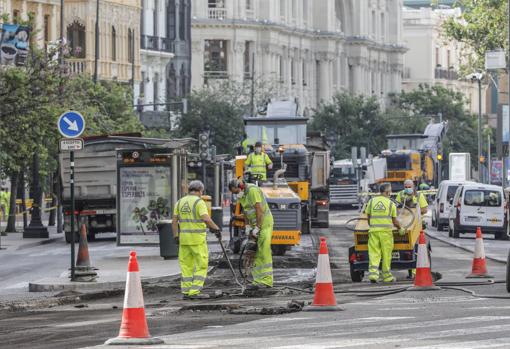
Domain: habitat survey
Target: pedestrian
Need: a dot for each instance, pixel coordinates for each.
(190, 220)
(257, 162)
(259, 228)
(382, 217)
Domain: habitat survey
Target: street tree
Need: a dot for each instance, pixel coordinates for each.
(482, 27)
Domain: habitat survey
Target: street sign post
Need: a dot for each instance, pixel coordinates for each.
(71, 125)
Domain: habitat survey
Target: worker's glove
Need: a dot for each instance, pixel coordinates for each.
(270, 166)
(247, 229)
(255, 233)
(249, 254)
(401, 232)
(176, 239)
(217, 233)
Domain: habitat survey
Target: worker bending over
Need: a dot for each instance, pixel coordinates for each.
(190, 220)
(382, 217)
(257, 162)
(259, 220)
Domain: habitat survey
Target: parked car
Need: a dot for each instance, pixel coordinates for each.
(441, 207)
(478, 205)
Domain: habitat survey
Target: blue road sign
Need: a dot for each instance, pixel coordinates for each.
(71, 124)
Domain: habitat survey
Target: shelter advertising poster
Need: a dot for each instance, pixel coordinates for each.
(144, 200)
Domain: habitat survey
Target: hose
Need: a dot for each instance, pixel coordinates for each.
(474, 294)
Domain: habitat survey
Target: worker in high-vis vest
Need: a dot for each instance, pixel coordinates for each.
(190, 221)
(257, 162)
(382, 218)
(5, 201)
(413, 199)
(259, 227)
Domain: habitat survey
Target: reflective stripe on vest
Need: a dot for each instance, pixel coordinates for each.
(383, 218)
(257, 163)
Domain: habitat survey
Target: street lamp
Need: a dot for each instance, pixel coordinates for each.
(478, 77)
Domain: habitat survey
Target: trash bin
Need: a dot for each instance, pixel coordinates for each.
(217, 216)
(168, 249)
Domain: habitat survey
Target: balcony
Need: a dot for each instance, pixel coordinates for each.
(155, 43)
(217, 13)
(446, 74)
(76, 65)
(214, 75)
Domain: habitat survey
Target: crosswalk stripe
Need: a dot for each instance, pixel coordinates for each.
(478, 344)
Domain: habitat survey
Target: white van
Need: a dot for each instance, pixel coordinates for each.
(478, 205)
(441, 207)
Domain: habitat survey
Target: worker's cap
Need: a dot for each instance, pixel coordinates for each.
(408, 182)
(258, 144)
(196, 186)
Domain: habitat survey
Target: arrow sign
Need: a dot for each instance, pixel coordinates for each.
(71, 124)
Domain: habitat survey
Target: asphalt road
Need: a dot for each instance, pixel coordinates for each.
(433, 319)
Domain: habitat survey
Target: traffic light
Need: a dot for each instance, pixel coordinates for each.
(439, 157)
(203, 145)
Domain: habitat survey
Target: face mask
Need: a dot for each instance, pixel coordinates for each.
(258, 150)
(240, 194)
(408, 191)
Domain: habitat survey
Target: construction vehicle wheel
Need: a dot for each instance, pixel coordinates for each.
(356, 275)
(279, 250)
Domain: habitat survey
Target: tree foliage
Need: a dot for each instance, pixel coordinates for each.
(482, 27)
(349, 120)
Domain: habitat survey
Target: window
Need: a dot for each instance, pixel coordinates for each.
(293, 8)
(155, 84)
(282, 8)
(171, 20)
(305, 11)
(282, 69)
(15, 16)
(452, 189)
(247, 60)
(216, 4)
(215, 56)
(142, 84)
(480, 197)
(76, 39)
(383, 27)
(448, 62)
(249, 4)
(182, 21)
(114, 44)
(184, 80)
(438, 62)
(131, 46)
(292, 72)
(46, 29)
(372, 24)
(303, 71)
(155, 18)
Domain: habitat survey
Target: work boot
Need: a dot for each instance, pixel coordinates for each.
(373, 281)
(390, 281)
(195, 296)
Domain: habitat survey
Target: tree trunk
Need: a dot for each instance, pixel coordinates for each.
(53, 187)
(11, 221)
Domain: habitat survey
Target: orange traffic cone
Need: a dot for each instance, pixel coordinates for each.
(133, 329)
(324, 298)
(423, 278)
(84, 272)
(479, 268)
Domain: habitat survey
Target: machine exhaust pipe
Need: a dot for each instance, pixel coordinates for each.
(277, 174)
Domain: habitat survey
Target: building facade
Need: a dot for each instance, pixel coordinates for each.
(46, 17)
(119, 38)
(431, 59)
(310, 49)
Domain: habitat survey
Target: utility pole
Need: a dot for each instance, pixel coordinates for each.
(440, 151)
(508, 90)
(96, 58)
(479, 79)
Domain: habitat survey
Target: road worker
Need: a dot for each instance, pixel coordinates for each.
(382, 217)
(259, 228)
(5, 200)
(257, 162)
(411, 198)
(245, 144)
(190, 220)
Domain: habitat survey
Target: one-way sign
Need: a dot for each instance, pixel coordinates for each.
(71, 124)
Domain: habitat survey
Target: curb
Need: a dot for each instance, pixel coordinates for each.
(447, 241)
(41, 286)
(39, 243)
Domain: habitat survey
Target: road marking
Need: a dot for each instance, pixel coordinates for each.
(86, 323)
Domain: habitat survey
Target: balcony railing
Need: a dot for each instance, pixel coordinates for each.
(76, 66)
(217, 13)
(156, 43)
(447, 74)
